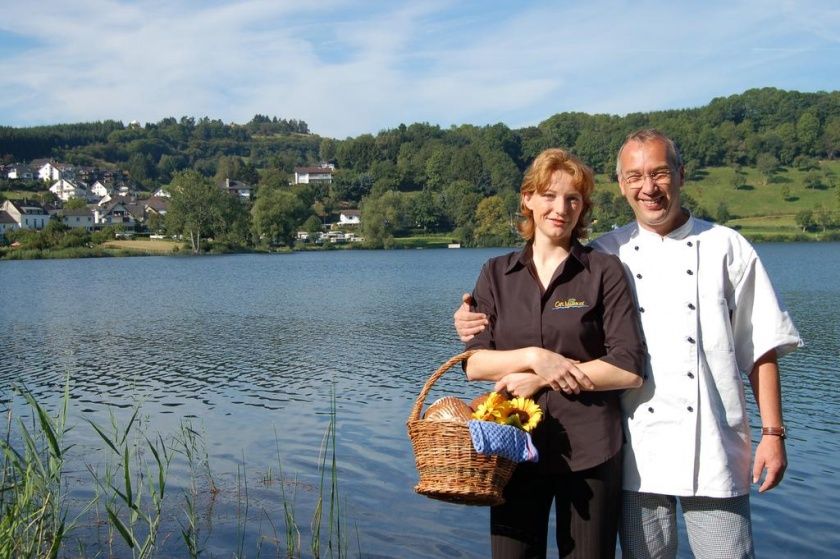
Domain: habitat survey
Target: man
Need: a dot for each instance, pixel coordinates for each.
(709, 313)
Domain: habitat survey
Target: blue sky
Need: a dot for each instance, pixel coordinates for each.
(348, 68)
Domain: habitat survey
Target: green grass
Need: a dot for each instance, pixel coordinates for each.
(761, 198)
(432, 240)
(8, 253)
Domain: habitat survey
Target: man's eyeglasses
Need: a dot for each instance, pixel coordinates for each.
(659, 177)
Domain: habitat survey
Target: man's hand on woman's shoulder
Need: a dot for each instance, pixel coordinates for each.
(468, 323)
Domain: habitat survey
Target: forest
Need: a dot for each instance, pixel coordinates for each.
(421, 178)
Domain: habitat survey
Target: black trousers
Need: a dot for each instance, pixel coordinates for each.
(587, 505)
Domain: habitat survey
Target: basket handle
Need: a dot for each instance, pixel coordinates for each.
(418, 405)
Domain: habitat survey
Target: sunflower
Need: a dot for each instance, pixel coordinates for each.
(491, 408)
(523, 413)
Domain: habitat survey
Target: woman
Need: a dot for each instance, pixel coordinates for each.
(563, 330)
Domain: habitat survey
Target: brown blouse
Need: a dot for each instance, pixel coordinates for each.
(587, 312)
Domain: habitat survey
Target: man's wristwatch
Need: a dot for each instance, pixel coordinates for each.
(775, 431)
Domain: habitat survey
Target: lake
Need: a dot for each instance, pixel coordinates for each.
(249, 348)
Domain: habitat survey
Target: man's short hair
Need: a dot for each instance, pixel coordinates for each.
(645, 135)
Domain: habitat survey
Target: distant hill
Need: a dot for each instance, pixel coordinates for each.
(763, 152)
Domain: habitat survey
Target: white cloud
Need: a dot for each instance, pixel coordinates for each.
(348, 68)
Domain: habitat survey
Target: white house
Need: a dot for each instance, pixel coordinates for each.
(306, 175)
(161, 193)
(26, 214)
(349, 217)
(99, 190)
(65, 189)
(50, 171)
(78, 217)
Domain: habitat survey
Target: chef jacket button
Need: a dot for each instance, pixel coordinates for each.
(690, 340)
(645, 376)
(641, 309)
(689, 272)
(691, 306)
(690, 374)
(638, 276)
(636, 247)
(690, 409)
(689, 243)
(650, 410)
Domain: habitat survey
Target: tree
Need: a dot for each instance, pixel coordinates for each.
(738, 179)
(426, 211)
(276, 215)
(785, 192)
(824, 217)
(312, 224)
(140, 168)
(195, 207)
(326, 150)
(805, 219)
(234, 168)
(382, 217)
(831, 137)
(235, 227)
(805, 163)
(351, 187)
(722, 214)
(459, 201)
(808, 132)
(274, 178)
(493, 225)
(813, 180)
(767, 165)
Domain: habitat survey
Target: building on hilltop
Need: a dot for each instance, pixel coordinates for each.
(309, 175)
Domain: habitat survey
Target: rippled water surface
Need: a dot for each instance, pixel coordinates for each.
(247, 348)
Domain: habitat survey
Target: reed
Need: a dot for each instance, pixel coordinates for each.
(134, 485)
(292, 532)
(131, 501)
(336, 538)
(33, 515)
(190, 444)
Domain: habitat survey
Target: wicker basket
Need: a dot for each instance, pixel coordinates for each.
(449, 468)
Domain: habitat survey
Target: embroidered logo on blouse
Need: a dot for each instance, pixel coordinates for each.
(570, 303)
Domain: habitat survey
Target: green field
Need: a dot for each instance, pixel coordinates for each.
(434, 240)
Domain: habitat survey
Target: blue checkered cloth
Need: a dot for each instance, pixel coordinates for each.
(503, 440)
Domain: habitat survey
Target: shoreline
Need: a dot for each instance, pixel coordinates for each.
(120, 249)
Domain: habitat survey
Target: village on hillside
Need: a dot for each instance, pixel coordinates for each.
(92, 199)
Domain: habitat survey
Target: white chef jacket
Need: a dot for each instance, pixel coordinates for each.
(708, 312)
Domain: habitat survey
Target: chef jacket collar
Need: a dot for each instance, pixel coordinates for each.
(526, 256)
